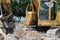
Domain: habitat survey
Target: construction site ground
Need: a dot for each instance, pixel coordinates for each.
(26, 33)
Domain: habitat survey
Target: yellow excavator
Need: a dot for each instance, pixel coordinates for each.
(39, 12)
(43, 13)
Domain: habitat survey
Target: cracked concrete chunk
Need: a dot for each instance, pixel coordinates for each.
(1, 34)
(10, 37)
(18, 31)
(53, 32)
(50, 38)
(31, 35)
(1, 24)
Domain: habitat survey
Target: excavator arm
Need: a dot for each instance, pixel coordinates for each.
(6, 7)
(36, 4)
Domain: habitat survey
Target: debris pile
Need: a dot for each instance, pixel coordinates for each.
(53, 34)
(21, 33)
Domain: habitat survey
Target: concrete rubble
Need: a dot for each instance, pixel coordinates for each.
(21, 33)
(10, 37)
(52, 34)
(31, 35)
(1, 34)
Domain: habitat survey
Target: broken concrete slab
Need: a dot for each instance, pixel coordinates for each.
(50, 38)
(2, 34)
(18, 31)
(53, 32)
(10, 37)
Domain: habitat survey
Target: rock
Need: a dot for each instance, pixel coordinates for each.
(27, 38)
(31, 35)
(1, 24)
(58, 39)
(10, 37)
(20, 34)
(1, 34)
(1, 38)
(18, 31)
(53, 32)
(50, 38)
